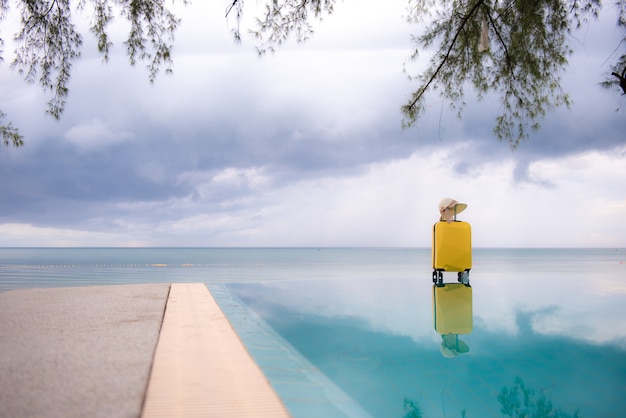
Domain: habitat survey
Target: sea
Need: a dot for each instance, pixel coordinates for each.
(543, 330)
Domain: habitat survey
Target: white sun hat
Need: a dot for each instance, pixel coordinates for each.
(449, 208)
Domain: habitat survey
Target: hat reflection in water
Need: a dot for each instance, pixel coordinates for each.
(449, 208)
(451, 346)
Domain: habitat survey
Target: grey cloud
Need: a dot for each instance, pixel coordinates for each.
(590, 125)
(124, 144)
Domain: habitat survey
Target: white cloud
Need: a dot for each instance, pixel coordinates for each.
(253, 178)
(95, 135)
(394, 204)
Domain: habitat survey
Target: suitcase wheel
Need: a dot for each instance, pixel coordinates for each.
(463, 277)
(438, 277)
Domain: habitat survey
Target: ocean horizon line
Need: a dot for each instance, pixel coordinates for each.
(304, 247)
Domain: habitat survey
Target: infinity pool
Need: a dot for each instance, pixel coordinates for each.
(546, 342)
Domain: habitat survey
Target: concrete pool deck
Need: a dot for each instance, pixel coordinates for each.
(146, 350)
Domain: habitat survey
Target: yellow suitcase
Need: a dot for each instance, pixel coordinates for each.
(452, 246)
(452, 308)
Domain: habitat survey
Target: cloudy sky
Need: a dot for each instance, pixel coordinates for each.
(303, 148)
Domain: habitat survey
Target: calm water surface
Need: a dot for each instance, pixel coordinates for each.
(549, 332)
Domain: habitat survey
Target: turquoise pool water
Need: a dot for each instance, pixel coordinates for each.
(548, 335)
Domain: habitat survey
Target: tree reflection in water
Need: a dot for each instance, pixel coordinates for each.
(517, 401)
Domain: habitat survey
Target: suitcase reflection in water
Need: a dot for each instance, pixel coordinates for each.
(452, 302)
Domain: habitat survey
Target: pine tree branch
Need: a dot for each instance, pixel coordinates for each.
(411, 106)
